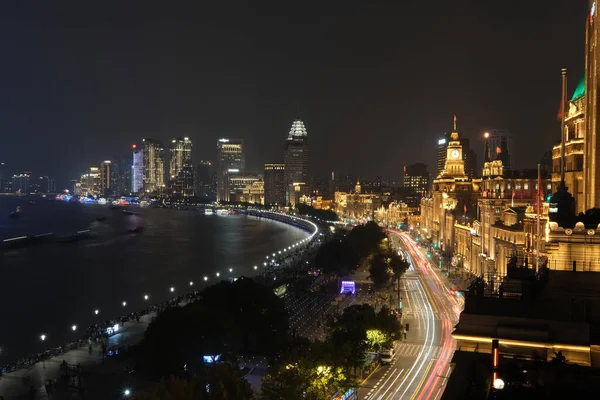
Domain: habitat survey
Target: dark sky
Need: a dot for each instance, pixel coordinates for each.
(374, 81)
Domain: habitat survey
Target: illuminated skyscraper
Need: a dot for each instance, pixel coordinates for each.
(416, 177)
(106, 178)
(442, 143)
(296, 162)
(181, 155)
(204, 180)
(154, 165)
(274, 186)
(137, 170)
(21, 182)
(230, 163)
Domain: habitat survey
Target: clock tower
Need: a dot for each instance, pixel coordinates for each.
(455, 165)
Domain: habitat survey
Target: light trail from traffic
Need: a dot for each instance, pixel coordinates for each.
(436, 311)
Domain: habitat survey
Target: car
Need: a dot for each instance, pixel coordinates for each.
(386, 356)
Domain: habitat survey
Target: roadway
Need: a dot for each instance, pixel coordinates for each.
(421, 363)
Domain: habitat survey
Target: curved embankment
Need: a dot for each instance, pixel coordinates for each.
(298, 222)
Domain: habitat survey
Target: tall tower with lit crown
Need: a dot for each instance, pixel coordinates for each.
(455, 164)
(296, 161)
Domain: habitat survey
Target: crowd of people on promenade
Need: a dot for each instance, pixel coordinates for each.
(99, 333)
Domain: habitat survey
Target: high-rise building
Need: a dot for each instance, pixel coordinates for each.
(442, 143)
(46, 184)
(470, 158)
(499, 146)
(106, 178)
(416, 177)
(204, 179)
(21, 183)
(121, 176)
(2, 177)
(137, 170)
(181, 155)
(183, 183)
(591, 171)
(154, 165)
(91, 182)
(230, 163)
(274, 184)
(296, 162)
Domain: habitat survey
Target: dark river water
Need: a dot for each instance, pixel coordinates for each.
(46, 288)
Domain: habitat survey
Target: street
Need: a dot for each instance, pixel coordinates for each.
(421, 364)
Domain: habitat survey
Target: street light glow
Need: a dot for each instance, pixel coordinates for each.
(43, 337)
(498, 384)
(96, 312)
(230, 269)
(124, 303)
(146, 297)
(255, 267)
(218, 274)
(172, 289)
(126, 392)
(191, 283)
(74, 328)
(206, 278)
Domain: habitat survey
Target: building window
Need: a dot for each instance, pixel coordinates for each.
(549, 187)
(497, 186)
(518, 186)
(508, 186)
(526, 186)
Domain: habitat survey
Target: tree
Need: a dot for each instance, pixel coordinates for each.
(215, 382)
(376, 339)
(380, 271)
(231, 318)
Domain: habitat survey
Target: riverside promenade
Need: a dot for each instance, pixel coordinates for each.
(31, 383)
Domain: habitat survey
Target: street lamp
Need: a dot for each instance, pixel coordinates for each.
(126, 392)
(498, 384)
(205, 278)
(218, 274)
(43, 337)
(172, 289)
(74, 328)
(146, 297)
(191, 283)
(96, 312)
(124, 303)
(230, 269)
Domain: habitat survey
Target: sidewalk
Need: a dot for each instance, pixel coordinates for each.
(16, 385)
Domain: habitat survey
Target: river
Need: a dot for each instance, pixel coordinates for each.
(47, 288)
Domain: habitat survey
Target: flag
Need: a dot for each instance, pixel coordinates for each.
(465, 208)
(513, 193)
(498, 150)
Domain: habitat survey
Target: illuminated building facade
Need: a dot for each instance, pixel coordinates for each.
(137, 170)
(90, 182)
(180, 155)
(21, 183)
(453, 198)
(442, 143)
(416, 177)
(183, 182)
(254, 193)
(296, 162)
(392, 216)
(591, 151)
(238, 184)
(274, 186)
(154, 165)
(106, 175)
(356, 205)
(231, 163)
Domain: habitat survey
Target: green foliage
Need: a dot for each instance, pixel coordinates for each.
(242, 317)
(344, 252)
(215, 382)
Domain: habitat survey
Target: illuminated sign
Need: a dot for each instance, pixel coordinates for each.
(348, 287)
(211, 359)
(553, 208)
(224, 140)
(233, 170)
(441, 141)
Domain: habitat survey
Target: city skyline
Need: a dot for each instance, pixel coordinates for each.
(85, 125)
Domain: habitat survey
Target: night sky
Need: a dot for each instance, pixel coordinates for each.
(374, 81)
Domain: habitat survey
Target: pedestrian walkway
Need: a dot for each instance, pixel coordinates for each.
(17, 384)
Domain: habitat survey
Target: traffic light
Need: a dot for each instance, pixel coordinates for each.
(417, 239)
(429, 255)
(435, 245)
